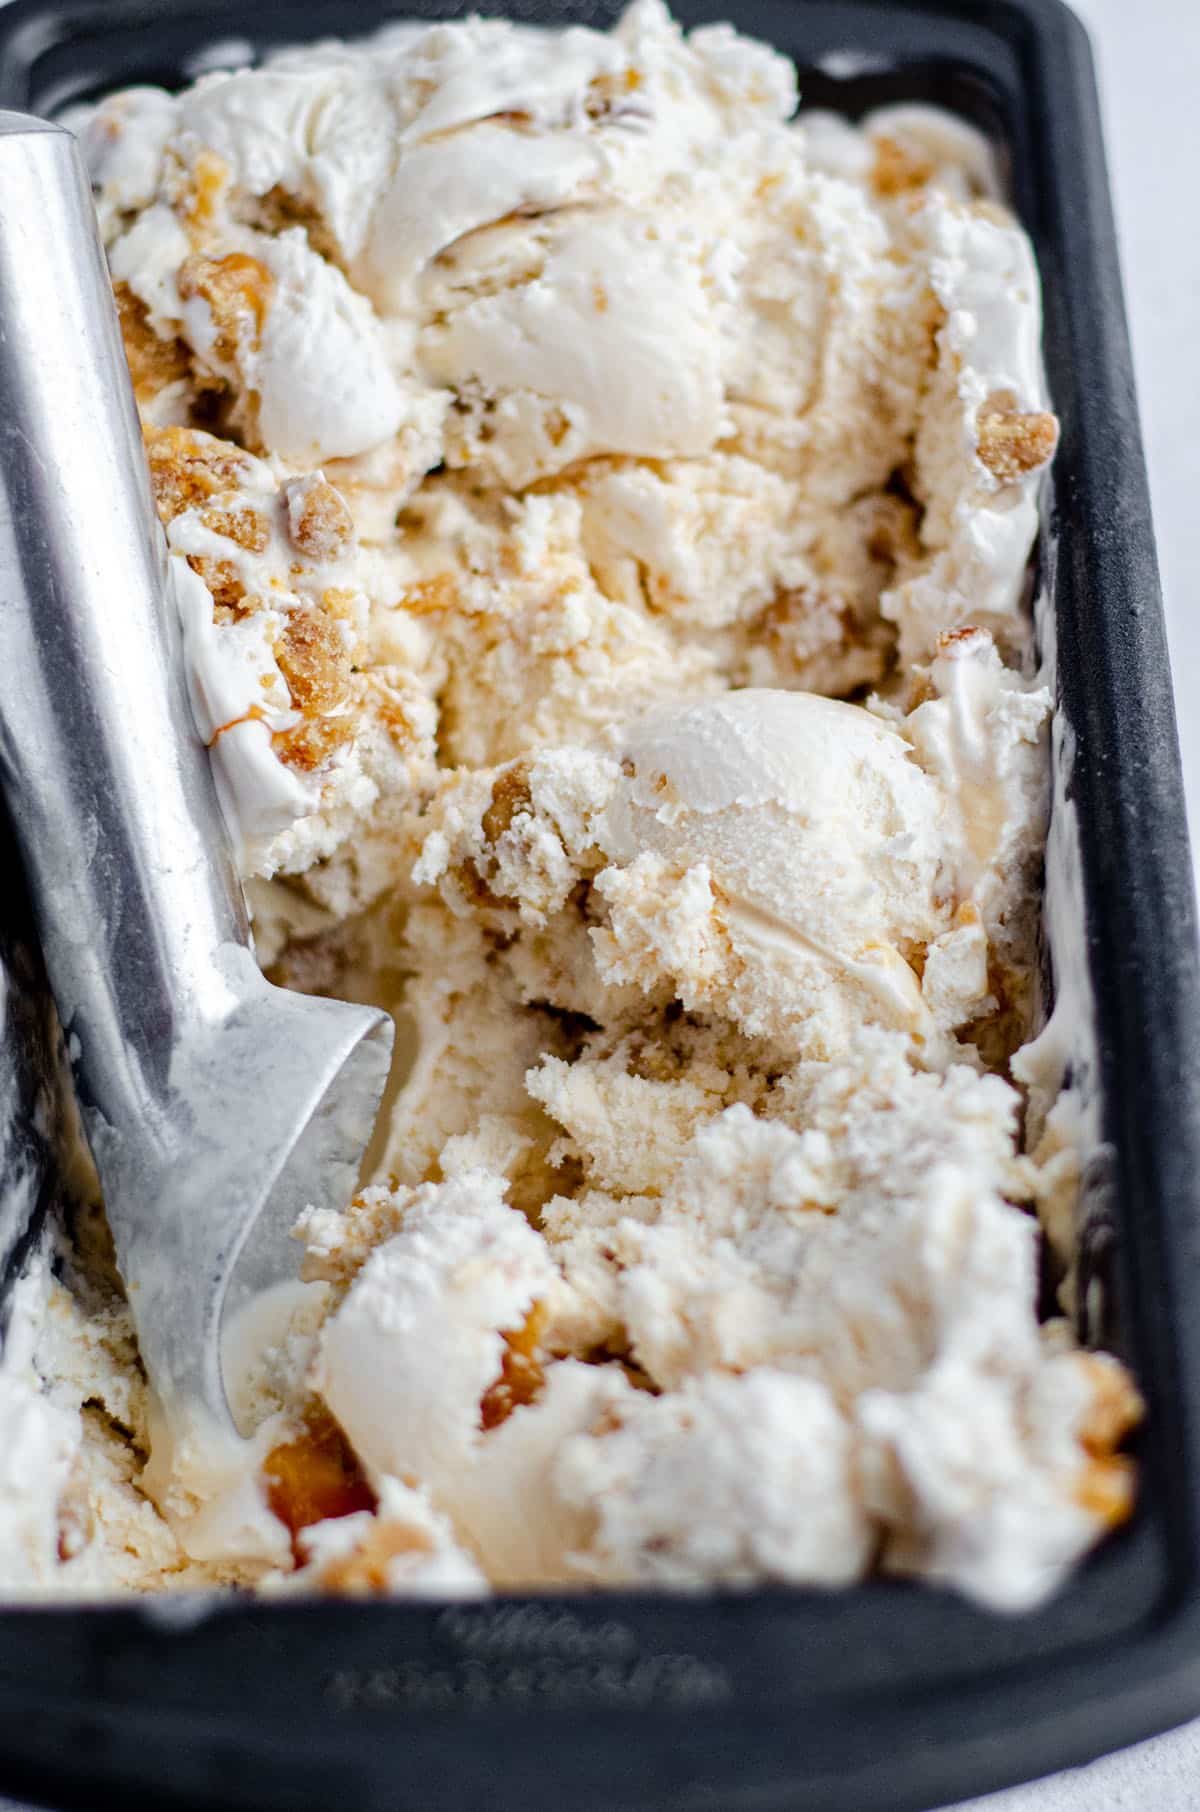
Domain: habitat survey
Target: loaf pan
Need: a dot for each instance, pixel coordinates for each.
(890, 1697)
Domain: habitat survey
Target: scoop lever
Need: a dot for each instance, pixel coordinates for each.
(216, 1105)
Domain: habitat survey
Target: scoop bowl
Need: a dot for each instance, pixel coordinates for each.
(216, 1105)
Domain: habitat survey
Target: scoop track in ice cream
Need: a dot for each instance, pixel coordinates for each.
(600, 501)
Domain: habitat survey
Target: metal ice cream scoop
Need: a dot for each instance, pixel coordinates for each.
(216, 1105)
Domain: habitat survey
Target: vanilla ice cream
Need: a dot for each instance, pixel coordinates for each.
(600, 500)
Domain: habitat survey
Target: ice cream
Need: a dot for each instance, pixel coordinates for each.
(432, 258)
(600, 502)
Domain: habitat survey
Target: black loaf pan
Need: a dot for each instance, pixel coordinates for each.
(890, 1697)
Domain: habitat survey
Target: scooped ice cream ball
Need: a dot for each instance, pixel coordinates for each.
(778, 855)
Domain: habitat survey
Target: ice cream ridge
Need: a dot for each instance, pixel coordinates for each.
(601, 499)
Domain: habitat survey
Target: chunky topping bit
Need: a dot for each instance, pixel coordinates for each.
(223, 580)
(187, 467)
(238, 522)
(309, 745)
(897, 169)
(237, 289)
(1107, 1489)
(1106, 1486)
(315, 1477)
(510, 798)
(1116, 1408)
(315, 661)
(1013, 441)
(319, 523)
(431, 597)
(522, 1371)
(366, 1571)
(153, 362)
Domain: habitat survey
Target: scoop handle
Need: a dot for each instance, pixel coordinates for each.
(216, 1106)
(109, 785)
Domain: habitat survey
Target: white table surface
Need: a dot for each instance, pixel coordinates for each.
(1149, 61)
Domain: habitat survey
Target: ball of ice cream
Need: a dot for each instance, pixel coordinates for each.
(778, 855)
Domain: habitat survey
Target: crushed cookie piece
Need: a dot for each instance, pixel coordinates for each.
(390, 710)
(309, 745)
(428, 597)
(153, 362)
(1013, 441)
(314, 660)
(1106, 1489)
(365, 1572)
(338, 601)
(222, 579)
(1116, 1407)
(237, 289)
(319, 523)
(248, 527)
(510, 796)
(898, 170)
(187, 467)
